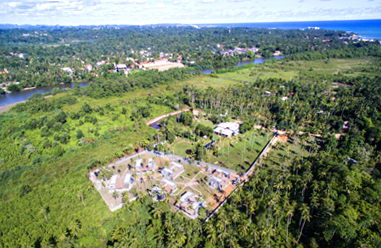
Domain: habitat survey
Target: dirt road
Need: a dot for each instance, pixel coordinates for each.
(156, 119)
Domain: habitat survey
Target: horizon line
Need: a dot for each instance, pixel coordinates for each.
(185, 23)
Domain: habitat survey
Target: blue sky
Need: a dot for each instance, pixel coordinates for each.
(82, 12)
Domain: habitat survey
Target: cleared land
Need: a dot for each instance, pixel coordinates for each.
(188, 186)
(236, 153)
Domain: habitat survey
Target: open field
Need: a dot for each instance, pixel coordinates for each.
(238, 152)
(291, 70)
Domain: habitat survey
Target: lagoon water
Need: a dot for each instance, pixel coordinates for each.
(25, 94)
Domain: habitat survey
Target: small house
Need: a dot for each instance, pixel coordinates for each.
(216, 183)
(128, 181)
(227, 129)
(151, 163)
(167, 173)
(139, 164)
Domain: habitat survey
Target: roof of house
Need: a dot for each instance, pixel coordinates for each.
(227, 128)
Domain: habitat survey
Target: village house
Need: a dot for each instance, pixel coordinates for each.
(176, 168)
(139, 164)
(151, 164)
(120, 67)
(128, 181)
(101, 63)
(89, 67)
(227, 129)
(111, 183)
(167, 173)
(216, 183)
(68, 70)
(169, 186)
(190, 204)
(267, 93)
(157, 193)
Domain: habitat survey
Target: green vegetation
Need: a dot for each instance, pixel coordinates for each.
(308, 192)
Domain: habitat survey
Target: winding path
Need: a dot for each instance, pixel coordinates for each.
(156, 119)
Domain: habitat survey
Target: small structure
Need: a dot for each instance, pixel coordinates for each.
(121, 67)
(151, 164)
(176, 168)
(89, 67)
(139, 164)
(227, 129)
(68, 70)
(156, 193)
(111, 183)
(128, 181)
(101, 63)
(190, 204)
(352, 161)
(267, 93)
(346, 126)
(169, 186)
(167, 173)
(210, 144)
(5, 71)
(216, 183)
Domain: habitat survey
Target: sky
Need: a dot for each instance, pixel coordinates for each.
(98, 12)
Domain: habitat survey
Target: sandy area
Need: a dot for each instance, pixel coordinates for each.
(7, 107)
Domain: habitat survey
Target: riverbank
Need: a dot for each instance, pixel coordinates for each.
(8, 107)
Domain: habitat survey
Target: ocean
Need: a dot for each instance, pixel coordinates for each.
(367, 28)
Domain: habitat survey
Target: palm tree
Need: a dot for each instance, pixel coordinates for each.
(305, 216)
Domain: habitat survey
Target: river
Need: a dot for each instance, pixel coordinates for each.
(23, 95)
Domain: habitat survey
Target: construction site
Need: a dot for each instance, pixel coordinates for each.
(189, 186)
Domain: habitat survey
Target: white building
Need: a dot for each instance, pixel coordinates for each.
(139, 163)
(167, 173)
(68, 70)
(89, 67)
(112, 182)
(121, 67)
(227, 129)
(216, 183)
(151, 163)
(128, 181)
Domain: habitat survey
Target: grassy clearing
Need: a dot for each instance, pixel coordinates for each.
(238, 152)
(285, 153)
(290, 70)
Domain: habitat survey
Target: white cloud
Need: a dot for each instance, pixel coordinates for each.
(13, 4)
(187, 11)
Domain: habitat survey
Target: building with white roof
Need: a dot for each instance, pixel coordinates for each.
(227, 129)
(128, 181)
(151, 163)
(216, 183)
(68, 70)
(167, 173)
(112, 182)
(139, 163)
